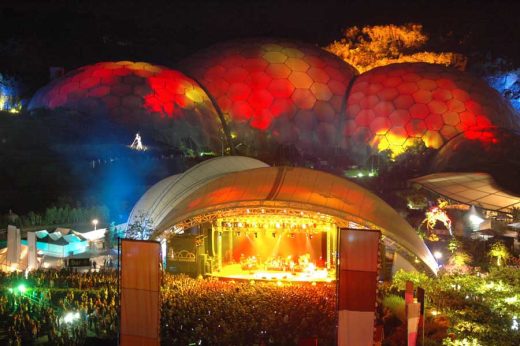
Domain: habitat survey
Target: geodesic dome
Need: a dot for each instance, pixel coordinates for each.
(492, 150)
(395, 106)
(293, 93)
(138, 95)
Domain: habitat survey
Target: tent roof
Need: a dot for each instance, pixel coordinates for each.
(298, 188)
(477, 189)
(161, 197)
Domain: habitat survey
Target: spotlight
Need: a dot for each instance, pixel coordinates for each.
(437, 255)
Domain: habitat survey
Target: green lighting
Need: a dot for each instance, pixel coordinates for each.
(22, 289)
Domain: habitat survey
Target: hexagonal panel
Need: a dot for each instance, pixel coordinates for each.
(300, 77)
(140, 97)
(431, 102)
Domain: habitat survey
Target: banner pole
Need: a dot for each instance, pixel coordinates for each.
(119, 289)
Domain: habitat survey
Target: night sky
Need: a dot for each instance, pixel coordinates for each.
(41, 33)
(38, 34)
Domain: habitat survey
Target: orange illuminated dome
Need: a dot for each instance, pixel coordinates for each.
(137, 94)
(290, 92)
(395, 106)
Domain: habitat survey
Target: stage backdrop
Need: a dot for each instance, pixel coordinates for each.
(358, 266)
(140, 282)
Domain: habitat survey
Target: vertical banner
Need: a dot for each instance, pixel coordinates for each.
(413, 313)
(13, 244)
(408, 293)
(31, 254)
(140, 282)
(420, 300)
(357, 286)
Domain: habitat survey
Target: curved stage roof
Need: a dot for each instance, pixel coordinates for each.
(205, 190)
(158, 201)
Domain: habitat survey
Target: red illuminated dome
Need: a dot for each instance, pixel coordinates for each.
(290, 92)
(395, 106)
(137, 94)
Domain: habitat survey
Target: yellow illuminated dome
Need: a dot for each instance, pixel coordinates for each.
(395, 106)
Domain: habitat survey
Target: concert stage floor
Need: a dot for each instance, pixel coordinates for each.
(235, 272)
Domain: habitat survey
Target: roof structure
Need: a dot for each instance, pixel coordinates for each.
(291, 91)
(301, 189)
(164, 195)
(132, 94)
(395, 106)
(477, 189)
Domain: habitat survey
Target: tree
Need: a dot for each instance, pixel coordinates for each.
(372, 46)
(458, 263)
(499, 251)
(141, 228)
(454, 245)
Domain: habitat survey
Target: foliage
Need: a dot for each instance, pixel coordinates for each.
(63, 215)
(458, 263)
(515, 213)
(372, 46)
(454, 245)
(419, 280)
(111, 235)
(141, 228)
(499, 251)
(396, 305)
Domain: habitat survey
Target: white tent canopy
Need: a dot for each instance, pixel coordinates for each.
(477, 189)
(164, 195)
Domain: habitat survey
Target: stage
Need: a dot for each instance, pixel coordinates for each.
(235, 272)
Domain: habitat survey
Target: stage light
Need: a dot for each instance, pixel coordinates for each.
(277, 225)
(95, 223)
(21, 288)
(437, 255)
(70, 317)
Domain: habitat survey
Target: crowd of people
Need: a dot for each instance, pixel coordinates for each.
(66, 308)
(62, 306)
(246, 312)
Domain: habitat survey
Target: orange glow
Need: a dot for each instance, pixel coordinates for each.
(395, 106)
(294, 92)
(275, 247)
(380, 45)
